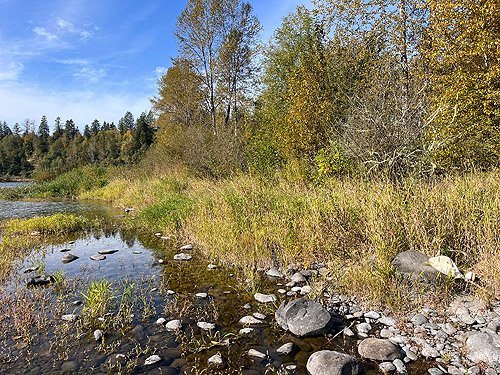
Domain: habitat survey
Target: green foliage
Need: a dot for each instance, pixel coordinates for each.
(99, 300)
(169, 213)
(329, 162)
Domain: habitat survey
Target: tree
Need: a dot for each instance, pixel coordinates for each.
(463, 56)
(126, 123)
(86, 132)
(16, 129)
(95, 127)
(70, 128)
(58, 130)
(180, 96)
(210, 34)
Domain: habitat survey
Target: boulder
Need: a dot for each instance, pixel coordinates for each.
(327, 362)
(415, 266)
(483, 347)
(303, 317)
(379, 350)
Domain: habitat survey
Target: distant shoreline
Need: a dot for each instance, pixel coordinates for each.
(14, 179)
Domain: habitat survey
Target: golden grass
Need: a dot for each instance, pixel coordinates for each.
(353, 226)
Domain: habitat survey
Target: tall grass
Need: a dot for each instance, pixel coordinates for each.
(354, 226)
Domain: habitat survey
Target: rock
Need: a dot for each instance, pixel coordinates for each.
(273, 272)
(212, 266)
(256, 354)
(446, 266)
(285, 349)
(348, 332)
(69, 317)
(303, 317)
(265, 298)
(69, 366)
(483, 347)
(470, 276)
(462, 313)
(298, 278)
(435, 371)
(68, 258)
(387, 321)
(183, 257)
(64, 250)
(250, 321)
(115, 359)
(419, 319)
(201, 295)
(187, 247)
(246, 331)
(363, 327)
(173, 325)
(414, 265)
(170, 292)
(259, 316)
(400, 366)
(152, 360)
(247, 306)
(98, 257)
(429, 352)
(387, 367)
(206, 326)
(372, 315)
(379, 350)
(327, 362)
(107, 252)
(158, 234)
(137, 252)
(161, 321)
(40, 280)
(216, 362)
(98, 335)
(31, 269)
(306, 289)
(281, 291)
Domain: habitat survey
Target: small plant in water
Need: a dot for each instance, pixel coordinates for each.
(98, 301)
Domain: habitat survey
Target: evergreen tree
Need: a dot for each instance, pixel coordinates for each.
(86, 132)
(126, 123)
(70, 128)
(96, 127)
(58, 130)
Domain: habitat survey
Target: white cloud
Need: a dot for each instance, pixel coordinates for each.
(62, 24)
(9, 71)
(40, 31)
(92, 75)
(160, 71)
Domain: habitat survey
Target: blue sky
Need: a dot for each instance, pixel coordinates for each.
(86, 59)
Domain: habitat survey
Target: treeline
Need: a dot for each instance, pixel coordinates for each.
(32, 151)
(395, 87)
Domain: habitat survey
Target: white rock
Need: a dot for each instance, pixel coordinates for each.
(265, 298)
(387, 367)
(173, 325)
(387, 321)
(187, 247)
(216, 362)
(281, 291)
(246, 331)
(161, 321)
(212, 266)
(445, 265)
(98, 335)
(259, 316)
(152, 360)
(206, 326)
(363, 327)
(202, 295)
(170, 292)
(183, 257)
(285, 349)
(273, 272)
(372, 315)
(256, 353)
(69, 317)
(306, 289)
(250, 320)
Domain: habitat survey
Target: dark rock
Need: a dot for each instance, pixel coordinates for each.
(303, 317)
(379, 350)
(107, 252)
(68, 258)
(40, 280)
(327, 362)
(414, 265)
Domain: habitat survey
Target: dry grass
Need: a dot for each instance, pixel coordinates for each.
(353, 226)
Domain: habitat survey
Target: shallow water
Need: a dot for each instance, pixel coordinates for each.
(144, 263)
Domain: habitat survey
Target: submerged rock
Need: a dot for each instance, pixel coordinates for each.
(216, 362)
(40, 280)
(286, 349)
(256, 354)
(107, 252)
(201, 295)
(328, 362)
(379, 350)
(152, 360)
(98, 257)
(303, 317)
(68, 258)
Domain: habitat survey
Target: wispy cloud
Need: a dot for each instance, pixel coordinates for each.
(10, 71)
(91, 75)
(69, 27)
(40, 31)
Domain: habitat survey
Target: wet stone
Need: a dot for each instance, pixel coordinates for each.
(183, 257)
(40, 280)
(327, 362)
(173, 325)
(256, 354)
(206, 326)
(107, 252)
(285, 349)
(250, 320)
(216, 362)
(98, 257)
(151, 360)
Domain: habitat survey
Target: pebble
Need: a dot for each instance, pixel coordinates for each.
(265, 298)
(170, 292)
(256, 353)
(419, 319)
(285, 349)
(216, 362)
(98, 257)
(161, 321)
(281, 291)
(435, 371)
(250, 320)
(152, 360)
(246, 331)
(372, 315)
(363, 327)
(400, 366)
(212, 267)
(69, 317)
(98, 335)
(387, 321)
(187, 247)
(183, 257)
(387, 367)
(173, 325)
(202, 295)
(259, 316)
(206, 326)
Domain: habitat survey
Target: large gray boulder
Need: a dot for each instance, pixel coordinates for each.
(303, 317)
(483, 347)
(379, 350)
(415, 266)
(327, 362)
